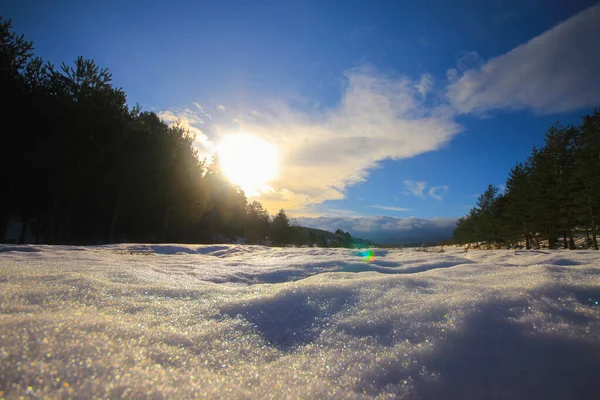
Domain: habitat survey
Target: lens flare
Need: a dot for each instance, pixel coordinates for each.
(367, 255)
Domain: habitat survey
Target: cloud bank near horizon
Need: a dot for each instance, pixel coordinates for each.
(386, 230)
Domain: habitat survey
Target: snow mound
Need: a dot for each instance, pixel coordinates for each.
(233, 321)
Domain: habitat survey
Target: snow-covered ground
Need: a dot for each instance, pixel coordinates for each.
(230, 321)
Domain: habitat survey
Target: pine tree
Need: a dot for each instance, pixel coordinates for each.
(519, 204)
(555, 192)
(281, 229)
(486, 226)
(587, 175)
(257, 222)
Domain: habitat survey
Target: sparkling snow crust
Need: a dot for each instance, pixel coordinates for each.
(232, 321)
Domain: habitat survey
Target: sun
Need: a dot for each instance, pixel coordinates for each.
(248, 161)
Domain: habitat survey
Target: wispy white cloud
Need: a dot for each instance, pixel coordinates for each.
(221, 107)
(389, 208)
(468, 61)
(386, 229)
(438, 192)
(186, 116)
(556, 71)
(416, 187)
(191, 121)
(202, 110)
(324, 150)
(452, 75)
(425, 85)
(419, 189)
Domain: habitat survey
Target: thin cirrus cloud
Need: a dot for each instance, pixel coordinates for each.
(389, 208)
(420, 189)
(416, 188)
(556, 71)
(438, 192)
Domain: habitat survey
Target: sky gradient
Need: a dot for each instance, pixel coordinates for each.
(388, 116)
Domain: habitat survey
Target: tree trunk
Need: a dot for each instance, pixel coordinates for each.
(72, 192)
(594, 238)
(3, 226)
(565, 243)
(6, 208)
(537, 242)
(23, 230)
(571, 241)
(37, 228)
(51, 229)
(65, 232)
(552, 238)
(164, 237)
(115, 218)
(527, 242)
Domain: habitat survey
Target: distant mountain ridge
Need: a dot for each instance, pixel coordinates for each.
(386, 230)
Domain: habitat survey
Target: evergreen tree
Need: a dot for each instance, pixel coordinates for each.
(312, 238)
(519, 205)
(226, 206)
(465, 231)
(587, 175)
(554, 193)
(344, 238)
(321, 241)
(257, 222)
(281, 229)
(16, 54)
(487, 226)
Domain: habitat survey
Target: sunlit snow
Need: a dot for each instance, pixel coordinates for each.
(230, 321)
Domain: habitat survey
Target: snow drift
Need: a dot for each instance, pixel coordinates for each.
(230, 321)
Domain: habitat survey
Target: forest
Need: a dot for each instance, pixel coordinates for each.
(82, 167)
(552, 197)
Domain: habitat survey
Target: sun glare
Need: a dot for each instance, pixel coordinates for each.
(248, 161)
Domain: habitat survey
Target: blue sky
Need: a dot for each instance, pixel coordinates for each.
(378, 108)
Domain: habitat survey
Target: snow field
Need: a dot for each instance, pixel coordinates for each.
(232, 321)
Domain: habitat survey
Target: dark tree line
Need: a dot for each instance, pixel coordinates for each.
(81, 166)
(553, 196)
(345, 239)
